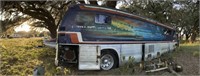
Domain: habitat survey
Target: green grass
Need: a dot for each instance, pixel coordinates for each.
(21, 56)
(191, 48)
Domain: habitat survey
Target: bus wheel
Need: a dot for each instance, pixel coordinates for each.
(108, 61)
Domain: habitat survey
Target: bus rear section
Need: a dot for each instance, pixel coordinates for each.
(99, 38)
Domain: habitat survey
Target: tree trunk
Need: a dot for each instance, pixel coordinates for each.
(195, 31)
(187, 37)
(193, 37)
(53, 32)
(52, 29)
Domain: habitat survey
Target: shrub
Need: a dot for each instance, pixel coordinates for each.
(127, 68)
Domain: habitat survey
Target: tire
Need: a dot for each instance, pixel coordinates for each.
(108, 61)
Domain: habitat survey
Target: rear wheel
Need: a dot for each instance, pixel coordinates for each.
(108, 61)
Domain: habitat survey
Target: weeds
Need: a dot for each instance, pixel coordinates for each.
(127, 68)
(21, 56)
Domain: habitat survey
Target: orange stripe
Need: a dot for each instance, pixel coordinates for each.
(74, 38)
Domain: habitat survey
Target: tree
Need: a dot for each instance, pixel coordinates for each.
(11, 21)
(194, 20)
(46, 14)
(156, 10)
(185, 19)
(41, 13)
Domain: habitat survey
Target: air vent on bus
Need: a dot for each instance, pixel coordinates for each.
(151, 48)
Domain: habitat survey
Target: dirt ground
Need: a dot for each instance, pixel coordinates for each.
(191, 64)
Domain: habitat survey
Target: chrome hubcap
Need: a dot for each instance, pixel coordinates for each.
(107, 62)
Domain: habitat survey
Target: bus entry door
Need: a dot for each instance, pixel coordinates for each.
(89, 57)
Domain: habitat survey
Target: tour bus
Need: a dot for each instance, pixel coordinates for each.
(99, 38)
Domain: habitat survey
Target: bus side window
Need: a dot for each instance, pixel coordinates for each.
(168, 32)
(102, 19)
(84, 18)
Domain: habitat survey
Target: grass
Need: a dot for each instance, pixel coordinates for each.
(191, 48)
(20, 56)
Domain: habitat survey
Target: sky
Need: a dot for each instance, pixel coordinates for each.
(23, 27)
(26, 27)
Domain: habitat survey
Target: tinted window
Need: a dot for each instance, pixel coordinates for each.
(84, 18)
(102, 19)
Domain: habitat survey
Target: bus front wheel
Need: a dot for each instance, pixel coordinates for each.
(108, 61)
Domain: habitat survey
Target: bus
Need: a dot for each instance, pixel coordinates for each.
(99, 38)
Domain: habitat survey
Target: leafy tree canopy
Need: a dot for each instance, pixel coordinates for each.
(46, 14)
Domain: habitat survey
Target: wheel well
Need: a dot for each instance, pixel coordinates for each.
(113, 52)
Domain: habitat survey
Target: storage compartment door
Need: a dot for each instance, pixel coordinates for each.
(89, 57)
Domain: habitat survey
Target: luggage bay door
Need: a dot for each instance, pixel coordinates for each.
(89, 57)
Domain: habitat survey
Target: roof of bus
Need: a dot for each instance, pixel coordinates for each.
(119, 12)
